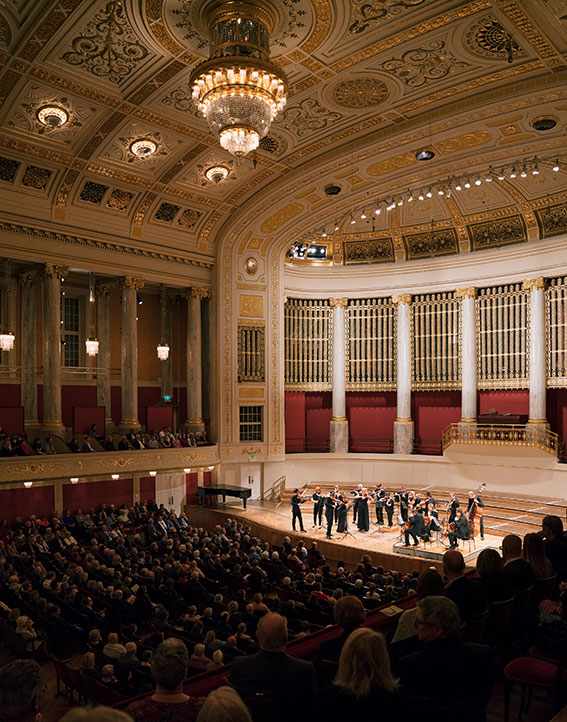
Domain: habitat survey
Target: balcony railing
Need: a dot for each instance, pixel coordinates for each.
(530, 435)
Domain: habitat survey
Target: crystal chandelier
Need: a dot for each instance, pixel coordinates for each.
(7, 338)
(163, 348)
(91, 343)
(238, 89)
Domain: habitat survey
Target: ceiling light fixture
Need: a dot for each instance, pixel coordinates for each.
(556, 165)
(7, 338)
(28, 484)
(52, 116)
(425, 154)
(363, 214)
(217, 173)
(238, 89)
(513, 172)
(467, 183)
(91, 342)
(524, 172)
(163, 348)
(143, 147)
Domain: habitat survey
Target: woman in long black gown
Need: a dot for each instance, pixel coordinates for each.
(342, 521)
(363, 518)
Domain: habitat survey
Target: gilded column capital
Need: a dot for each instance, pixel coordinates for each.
(200, 293)
(130, 282)
(534, 284)
(102, 289)
(402, 299)
(461, 293)
(51, 270)
(338, 302)
(27, 279)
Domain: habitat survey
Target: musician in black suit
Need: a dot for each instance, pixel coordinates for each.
(357, 497)
(379, 495)
(402, 497)
(317, 500)
(330, 505)
(452, 506)
(461, 529)
(296, 502)
(475, 500)
(433, 515)
(417, 529)
(389, 507)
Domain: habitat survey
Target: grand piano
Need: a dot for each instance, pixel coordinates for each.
(226, 490)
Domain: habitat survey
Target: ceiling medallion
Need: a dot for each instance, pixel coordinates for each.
(143, 148)
(360, 93)
(238, 89)
(217, 173)
(425, 154)
(52, 115)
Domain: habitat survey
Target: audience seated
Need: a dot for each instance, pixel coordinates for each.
(224, 705)
(466, 593)
(429, 583)
(555, 541)
(490, 569)
(95, 714)
(517, 571)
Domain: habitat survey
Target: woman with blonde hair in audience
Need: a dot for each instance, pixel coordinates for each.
(364, 681)
(95, 714)
(534, 553)
(224, 705)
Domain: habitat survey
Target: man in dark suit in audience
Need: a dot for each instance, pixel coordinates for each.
(465, 669)
(555, 541)
(272, 670)
(466, 593)
(517, 572)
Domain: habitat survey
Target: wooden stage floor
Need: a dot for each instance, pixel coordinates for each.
(265, 516)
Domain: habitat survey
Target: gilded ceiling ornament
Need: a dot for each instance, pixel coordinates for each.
(180, 99)
(365, 14)
(375, 251)
(423, 65)
(135, 284)
(497, 233)
(188, 219)
(93, 192)
(488, 38)
(553, 220)
(119, 200)
(8, 169)
(35, 177)
(280, 217)
(308, 116)
(108, 46)
(5, 32)
(166, 212)
(273, 143)
(360, 93)
(431, 243)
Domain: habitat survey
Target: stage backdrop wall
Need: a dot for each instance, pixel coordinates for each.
(38, 500)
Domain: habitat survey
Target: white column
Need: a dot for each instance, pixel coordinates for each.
(51, 342)
(339, 423)
(194, 360)
(403, 425)
(28, 341)
(538, 374)
(130, 287)
(103, 394)
(469, 352)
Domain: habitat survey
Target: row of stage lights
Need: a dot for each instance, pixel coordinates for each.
(114, 477)
(444, 188)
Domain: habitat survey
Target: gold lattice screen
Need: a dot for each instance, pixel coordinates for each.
(436, 341)
(557, 332)
(308, 344)
(251, 353)
(503, 322)
(370, 344)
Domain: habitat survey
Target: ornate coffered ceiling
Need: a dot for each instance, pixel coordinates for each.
(371, 83)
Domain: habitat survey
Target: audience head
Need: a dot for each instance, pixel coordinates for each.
(21, 690)
(272, 632)
(113, 638)
(489, 564)
(224, 705)
(552, 527)
(364, 663)
(95, 714)
(453, 563)
(437, 618)
(218, 657)
(88, 660)
(511, 547)
(534, 554)
(349, 612)
(429, 583)
(169, 664)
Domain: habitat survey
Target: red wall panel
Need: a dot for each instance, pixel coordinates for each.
(180, 395)
(371, 422)
(38, 500)
(116, 403)
(76, 396)
(207, 478)
(94, 493)
(370, 398)
(557, 411)
(12, 419)
(191, 482)
(318, 400)
(157, 417)
(85, 416)
(147, 396)
(147, 488)
(10, 395)
(317, 423)
(432, 411)
(294, 415)
(514, 401)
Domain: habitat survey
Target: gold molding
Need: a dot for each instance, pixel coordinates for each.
(462, 293)
(338, 302)
(534, 284)
(51, 270)
(402, 299)
(130, 282)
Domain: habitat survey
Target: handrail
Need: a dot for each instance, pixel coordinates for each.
(275, 492)
(530, 435)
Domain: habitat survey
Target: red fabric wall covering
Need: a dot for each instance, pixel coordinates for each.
(370, 398)
(191, 483)
(147, 396)
(180, 395)
(10, 395)
(158, 417)
(318, 400)
(294, 420)
(12, 419)
(38, 500)
(207, 478)
(84, 416)
(513, 401)
(76, 396)
(557, 411)
(116, 403)
(368, 423)
(147, 488)
(94, 493)
(432, 411)
(317, 427)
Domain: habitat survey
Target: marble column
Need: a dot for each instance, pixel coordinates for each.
(51, 343)
(403, 425)
(538, 373)
(469, 354)
(339, 424)
(130, 287)
(103, 388)
(167, 365)
(28, 346)
(194, 360)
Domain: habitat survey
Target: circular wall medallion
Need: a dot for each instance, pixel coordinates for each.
(360, 93)
(251, 266)
(488, 38)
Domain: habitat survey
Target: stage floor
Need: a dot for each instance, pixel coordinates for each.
(384, 541)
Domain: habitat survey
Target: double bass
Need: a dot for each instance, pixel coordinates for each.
(475, 511)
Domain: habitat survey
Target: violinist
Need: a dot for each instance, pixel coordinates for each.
(296, 501)
(330, 505)
(389, 507)
(318, 503)
(363, 514)
(357, 496)
(379, 496)
(474, 500)
(432, 518)
(342, 509)
(452, 506)
(415, 527)
(461, 530)
(402, 498)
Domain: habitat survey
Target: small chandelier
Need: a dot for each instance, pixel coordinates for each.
(7, 338)
(91, 343)
(216, 173)
(52, 115)
(143, 148)
(163, 348)
(238, 89)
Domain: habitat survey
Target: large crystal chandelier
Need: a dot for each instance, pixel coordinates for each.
(238, 89)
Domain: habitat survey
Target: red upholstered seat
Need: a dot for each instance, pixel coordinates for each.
(536, 651)
(531, 670)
